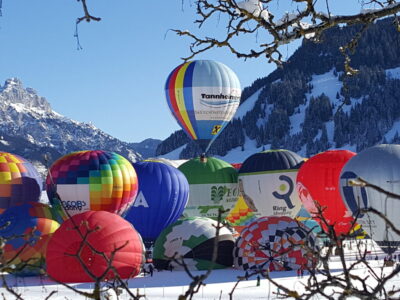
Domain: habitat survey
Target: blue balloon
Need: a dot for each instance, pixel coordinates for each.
(162, 197)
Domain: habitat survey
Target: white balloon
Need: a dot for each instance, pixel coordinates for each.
(378, 166)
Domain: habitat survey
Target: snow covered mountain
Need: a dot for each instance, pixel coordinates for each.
(30, 128)
(310, 106)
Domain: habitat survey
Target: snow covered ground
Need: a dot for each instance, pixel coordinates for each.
(169, 285)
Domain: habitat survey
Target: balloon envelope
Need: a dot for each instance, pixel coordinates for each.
(19, 181)
(267, 183)
(193, 240)
(111, 240)
(213, 186)
(236, 165)
(203, 96)
(28, 228)
(92, 180)
(240, 215)
(379, 166)
(318, 180)
(274, 244)
(163, 195)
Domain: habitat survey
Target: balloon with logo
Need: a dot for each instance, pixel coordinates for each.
(213, 186)
(20, 182)
(92, 180)
(267, 183)
(163, 195)
(379, 166)
(192, 240)
(318, 184)
(274, 244)
(107, 245)
(27, 229)
(203, 96)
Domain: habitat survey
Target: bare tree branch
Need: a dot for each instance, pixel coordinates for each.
(87, 16)
(247, 17)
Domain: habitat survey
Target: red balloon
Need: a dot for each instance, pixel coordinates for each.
(236, 165)
(107, 232)
(318, 180)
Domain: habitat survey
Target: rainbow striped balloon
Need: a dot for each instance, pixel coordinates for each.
(240, 215)
(20, 182)
(203, 96)
(92, 180)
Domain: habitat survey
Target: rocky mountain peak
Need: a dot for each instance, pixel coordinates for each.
(13, 91)
(30, 128)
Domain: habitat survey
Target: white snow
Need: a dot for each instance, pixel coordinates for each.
(169, 285)
(327, 84)
(4, 142)
(330, 127)
(318, 135)
(276, 81)
(367, 11)
(393, 73)
(392, 132)
(247, 105)
(174, 154)
(255, 7)
(236, 155)
(19, 107)
(297, 119)
(287, 17)
(352, 148)
(303, 151)
(354, 102)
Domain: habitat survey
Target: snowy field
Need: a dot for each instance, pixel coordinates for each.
(169, 285)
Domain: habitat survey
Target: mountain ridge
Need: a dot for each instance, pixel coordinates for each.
(30, 128)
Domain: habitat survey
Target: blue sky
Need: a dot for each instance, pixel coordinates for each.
(117, 80)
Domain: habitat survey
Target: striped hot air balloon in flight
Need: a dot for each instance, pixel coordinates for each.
(203, 96)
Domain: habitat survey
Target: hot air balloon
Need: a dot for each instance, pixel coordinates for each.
(237, 166)
(240, 215)
(27, 229)
(379, 166)
(274, 244)
(203, 96)
(213, 186)
(109, 241)
(20, 182)
(92, 180)
(267, 183)
(192, 240)
(318, 181)
(305, 218)
(163, 195)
